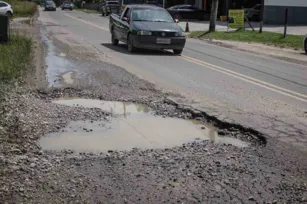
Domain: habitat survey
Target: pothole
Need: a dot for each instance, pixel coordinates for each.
(136, 127)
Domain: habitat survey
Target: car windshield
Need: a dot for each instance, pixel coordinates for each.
(154, 15)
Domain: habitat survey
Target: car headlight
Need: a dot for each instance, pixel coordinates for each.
(144, 32)
(179, 34)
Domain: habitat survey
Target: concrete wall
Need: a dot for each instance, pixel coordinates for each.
(276, 14)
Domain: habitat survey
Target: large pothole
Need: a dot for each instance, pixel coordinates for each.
(136, 126)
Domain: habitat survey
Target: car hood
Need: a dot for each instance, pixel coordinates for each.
(156, 26)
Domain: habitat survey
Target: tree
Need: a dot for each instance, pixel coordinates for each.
(214, 7)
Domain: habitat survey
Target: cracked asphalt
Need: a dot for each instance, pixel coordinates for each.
(253, 98)
(256, 91)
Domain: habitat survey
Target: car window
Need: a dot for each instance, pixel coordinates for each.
(151, 15)
(127, 13)
(3, 4)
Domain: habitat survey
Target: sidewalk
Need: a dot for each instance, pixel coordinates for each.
(222, 26)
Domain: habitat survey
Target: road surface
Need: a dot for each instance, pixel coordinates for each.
(263, 93)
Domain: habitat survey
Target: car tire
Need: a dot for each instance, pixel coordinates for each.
(114, 40)
(178, 51)
(131, 48)
(9, 14)
(177, 16)
(305, 45)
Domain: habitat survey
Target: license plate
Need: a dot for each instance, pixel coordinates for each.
(163, 41)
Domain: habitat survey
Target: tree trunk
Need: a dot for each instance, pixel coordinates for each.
(214, 7)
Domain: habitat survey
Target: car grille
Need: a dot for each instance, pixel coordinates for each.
(163, 34)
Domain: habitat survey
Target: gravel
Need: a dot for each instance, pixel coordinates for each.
(198, 172)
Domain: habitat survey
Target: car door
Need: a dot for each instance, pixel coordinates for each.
(3, 8)
(126, 25)
(121, 28)
(186, 12)
(197, 13)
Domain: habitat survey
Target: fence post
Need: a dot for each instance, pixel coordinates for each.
(286, 22)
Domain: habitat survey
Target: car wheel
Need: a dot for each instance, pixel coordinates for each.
(114, 40)
(9, 14)
(305, 43)
(131, 48)
(177, 16)
(178, 51)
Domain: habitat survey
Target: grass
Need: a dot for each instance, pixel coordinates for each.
(22, 8)
(268, 38)
(87, 11)
(15, 57)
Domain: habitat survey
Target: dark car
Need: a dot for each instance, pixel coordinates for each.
(50, 6)
(67, 5)
(188, 12)
(149, 27)
(109, 7)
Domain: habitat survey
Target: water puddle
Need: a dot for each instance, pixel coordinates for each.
(114, 107)
(137, 128)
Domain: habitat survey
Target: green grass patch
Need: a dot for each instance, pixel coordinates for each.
(15, 57)
(268, 38)
(22, 8)
(87, 11)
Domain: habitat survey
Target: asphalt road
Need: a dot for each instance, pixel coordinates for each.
(267, 94)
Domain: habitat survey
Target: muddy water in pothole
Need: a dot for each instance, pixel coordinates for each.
(138, 129)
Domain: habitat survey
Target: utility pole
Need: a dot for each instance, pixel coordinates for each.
(214, 7)
(261, 16)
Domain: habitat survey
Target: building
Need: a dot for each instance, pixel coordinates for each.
(274, 12)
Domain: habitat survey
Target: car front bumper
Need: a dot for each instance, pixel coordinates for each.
(150, 42)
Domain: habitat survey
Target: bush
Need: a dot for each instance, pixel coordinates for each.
(15, 57)
(23, 8)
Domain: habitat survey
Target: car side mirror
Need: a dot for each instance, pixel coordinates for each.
(176, 21)
(125, 19)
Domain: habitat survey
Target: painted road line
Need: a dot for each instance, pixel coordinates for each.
(248, 79)
(243, 77)
(87, 22)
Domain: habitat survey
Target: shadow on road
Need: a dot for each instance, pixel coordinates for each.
(122, 48)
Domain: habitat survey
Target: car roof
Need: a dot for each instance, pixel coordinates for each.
(4, 2)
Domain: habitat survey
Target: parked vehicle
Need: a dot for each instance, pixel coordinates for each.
(109, 7)
(5, 9)
(253, 14)
(50, 6)
(305, 44)
(67, 5)
(188, 12)
(5, 28)
(146, 26)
